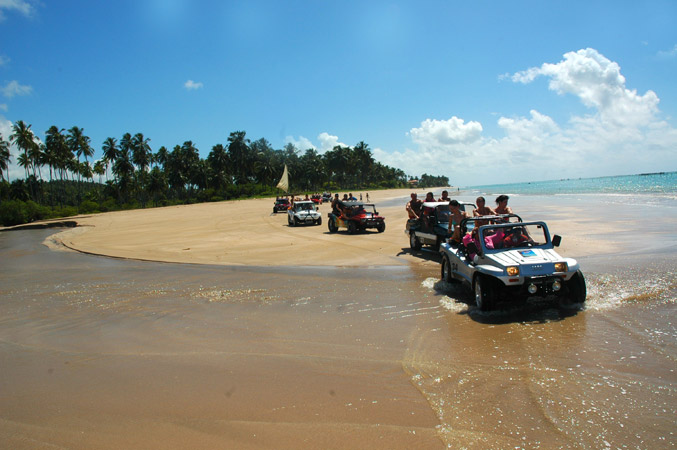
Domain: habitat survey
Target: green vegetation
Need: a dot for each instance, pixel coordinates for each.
(135, 177)
(432, 181)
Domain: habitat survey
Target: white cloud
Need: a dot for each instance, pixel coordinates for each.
(14, 88)
(3, 107)
(302, 143)
(623, 134)
(3, 60)
(598, 83)
(445, 132)
(21, 6)
(328, 142)
(192, 85)
(668, 54)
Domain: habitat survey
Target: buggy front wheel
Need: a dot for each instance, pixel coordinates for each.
(414, 243)
(484, 293)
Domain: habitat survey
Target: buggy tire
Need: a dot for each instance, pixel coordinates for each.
(414, 243)
(381, 227)
(484, 293)
(331, 225)
(352, 228)
(319, 221)
(290, 221)
(576, 291)
(446, 270)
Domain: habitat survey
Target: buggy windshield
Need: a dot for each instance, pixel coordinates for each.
(442, 213)
(515, 236)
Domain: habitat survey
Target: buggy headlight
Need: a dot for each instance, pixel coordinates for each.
(561, 267)
(513, 271)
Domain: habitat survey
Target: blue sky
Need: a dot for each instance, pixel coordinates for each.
(481, 91)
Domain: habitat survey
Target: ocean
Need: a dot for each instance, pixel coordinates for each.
(663, 184)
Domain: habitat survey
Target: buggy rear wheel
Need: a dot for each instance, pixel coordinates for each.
(331, 225)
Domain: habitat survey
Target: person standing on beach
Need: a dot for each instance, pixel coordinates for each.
(367, 196)
(502, 202)
(414, 206)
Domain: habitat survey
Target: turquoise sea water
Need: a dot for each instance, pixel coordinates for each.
(656, 184)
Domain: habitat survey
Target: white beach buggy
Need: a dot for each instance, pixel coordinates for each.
(502, 258)
(304, 212)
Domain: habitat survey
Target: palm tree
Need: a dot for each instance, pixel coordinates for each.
(76, 142)
(56, 155)
(218, 162)
(110, 152)
(161, 156)
(141, 156)
(239, 153)
(24, 162)
(22, 136)
(100, 169)
(5, 157)
(157, 184)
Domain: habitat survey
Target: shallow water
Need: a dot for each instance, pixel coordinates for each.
(104, 353)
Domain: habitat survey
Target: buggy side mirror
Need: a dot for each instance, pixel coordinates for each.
(556, 240)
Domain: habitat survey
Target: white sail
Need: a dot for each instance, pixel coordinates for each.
(284, 181)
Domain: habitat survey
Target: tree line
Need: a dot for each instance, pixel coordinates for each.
(62, 179)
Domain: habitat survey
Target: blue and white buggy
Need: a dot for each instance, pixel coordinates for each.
(502, 258)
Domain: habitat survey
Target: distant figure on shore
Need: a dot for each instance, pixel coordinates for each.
(502, 202)
(414, 206)
(367, 197)
(360, 196)
(445, 197)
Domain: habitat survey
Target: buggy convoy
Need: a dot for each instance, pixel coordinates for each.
(505, 259)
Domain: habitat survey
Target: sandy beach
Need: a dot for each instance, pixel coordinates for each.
(246, 232)
(259, 335)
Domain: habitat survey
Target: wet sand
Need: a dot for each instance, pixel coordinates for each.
(328, 347)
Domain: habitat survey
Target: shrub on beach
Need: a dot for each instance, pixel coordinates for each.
(12, 213)
(88, 207)
(16, 212)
